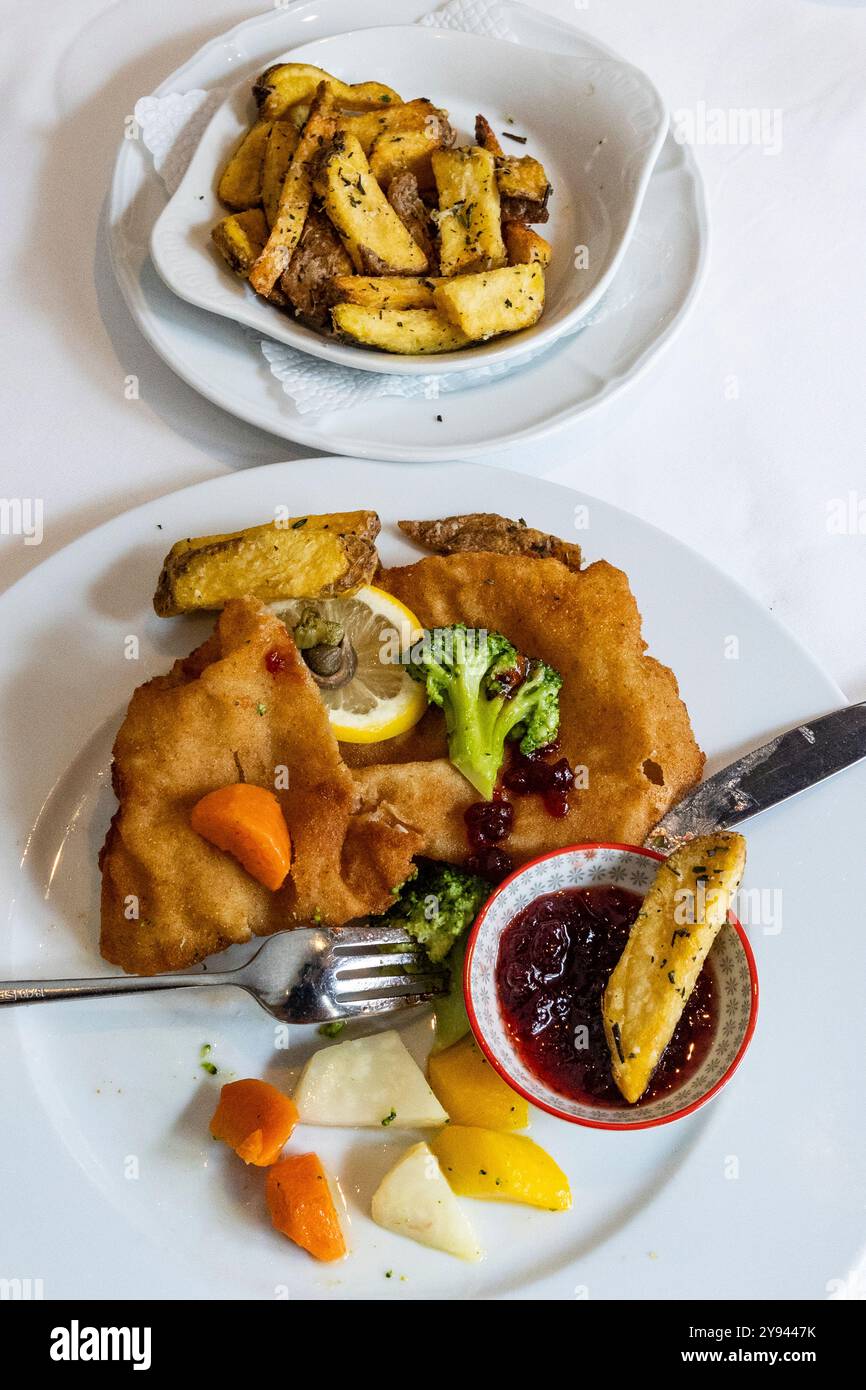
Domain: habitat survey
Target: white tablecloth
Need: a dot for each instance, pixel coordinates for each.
(746, 439)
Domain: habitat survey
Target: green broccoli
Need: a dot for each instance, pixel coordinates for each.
(488, 693)
(438, 905)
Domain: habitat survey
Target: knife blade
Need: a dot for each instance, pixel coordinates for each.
(788, 764)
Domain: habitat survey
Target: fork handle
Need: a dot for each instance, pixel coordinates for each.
(47, 991)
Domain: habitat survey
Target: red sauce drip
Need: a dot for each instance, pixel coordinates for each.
(554, 962)
(552, 781)
(276, 661)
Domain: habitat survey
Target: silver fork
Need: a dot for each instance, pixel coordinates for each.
(303, 976)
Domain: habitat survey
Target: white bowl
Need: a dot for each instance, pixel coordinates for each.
(633, 868)
(596, 123)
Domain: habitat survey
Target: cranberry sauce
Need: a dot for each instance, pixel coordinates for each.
(488, 823)
(555, 959)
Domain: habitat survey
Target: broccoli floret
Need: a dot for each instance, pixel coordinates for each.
(488, 693)
(438, 905)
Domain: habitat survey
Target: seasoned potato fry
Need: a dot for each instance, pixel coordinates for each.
(282, 143)
(240, 237)
(385, 291)
(398, 330)
(391, 153)
(240, 186)
(524, 246)
(681, 916)
(521, 176)
(469, 221)
(369, 227)
(486, 137)
(287, 84)
(417, 117)
(303, 557)
(295, 197)
(493, 301)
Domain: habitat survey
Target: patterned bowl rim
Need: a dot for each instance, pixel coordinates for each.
(550, 1106)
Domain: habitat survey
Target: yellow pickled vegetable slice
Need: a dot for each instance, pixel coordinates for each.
(473, 1093)
(500, 1167)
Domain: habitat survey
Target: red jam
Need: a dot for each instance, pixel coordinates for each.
(276, 661)
(555, 959)
(552, 781)
(488, 823)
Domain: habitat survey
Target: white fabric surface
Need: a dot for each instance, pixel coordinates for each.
(739, 440)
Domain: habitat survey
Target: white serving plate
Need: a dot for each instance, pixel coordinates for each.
(110, 1184)
(598, 132)
(222, 360)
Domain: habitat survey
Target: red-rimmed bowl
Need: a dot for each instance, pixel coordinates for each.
(595, 866)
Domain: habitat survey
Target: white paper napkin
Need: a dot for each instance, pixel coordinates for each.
(172, 126)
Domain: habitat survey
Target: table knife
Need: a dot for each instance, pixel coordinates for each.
(788, 764)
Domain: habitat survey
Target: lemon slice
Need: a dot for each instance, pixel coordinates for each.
(381, 700)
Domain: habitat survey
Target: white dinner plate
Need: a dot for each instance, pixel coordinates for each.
(647, 301)
(598, 135)
(110, 1183)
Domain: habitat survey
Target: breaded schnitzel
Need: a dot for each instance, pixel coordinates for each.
(169, 898)
(621, 715)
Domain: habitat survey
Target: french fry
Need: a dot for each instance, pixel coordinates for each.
(240, 186)
(417, 117)
(524, 246)
(486, 137)
(288, 84)
(680, 918)
(294, 201)
(392, 152)
(398, 330)
(240, 237)
(303, 557)
(492, 301)
(521, 176)
(282, 143)
(469, 220)
(385, 291)
(368, 226)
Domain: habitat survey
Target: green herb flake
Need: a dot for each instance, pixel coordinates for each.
(332, 1029)
(389, 1119)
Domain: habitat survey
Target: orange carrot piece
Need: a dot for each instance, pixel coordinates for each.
(302, 1207)
(248, 822)
(254, 1119)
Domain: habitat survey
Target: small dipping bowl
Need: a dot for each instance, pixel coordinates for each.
(631, 868)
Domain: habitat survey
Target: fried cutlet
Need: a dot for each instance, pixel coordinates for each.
(169, 898)
(621, 716)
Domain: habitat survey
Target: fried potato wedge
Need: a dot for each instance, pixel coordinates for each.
(418, 117)
(397, 330)
(288, 84)
(365, 220)
(282, 143)
(294, 201)
(524, 246)
(681, 916)
(301, 557)
(240, 186)
(392, 153)
(486, 137)
(385, 291)
(239, 238)
(490, 532)
(493, 301)
(521, 176)
(469, 212)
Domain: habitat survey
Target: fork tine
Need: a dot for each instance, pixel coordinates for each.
(362, 964)
(364, 1008)
(394, 985)
(350, 938)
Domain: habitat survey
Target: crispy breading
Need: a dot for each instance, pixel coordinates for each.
(621, 715)
(488, 531)
(169, 898)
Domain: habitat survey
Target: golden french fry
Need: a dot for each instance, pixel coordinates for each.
(282, 143)
(369, 227)
(524, 246)
(240, 185)
(492, 301)
(470, 229)
(288, 84)
(680, 918)
(239, 238)
(385, 291)
(294, 201)
(302, 557)
(398, 330)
